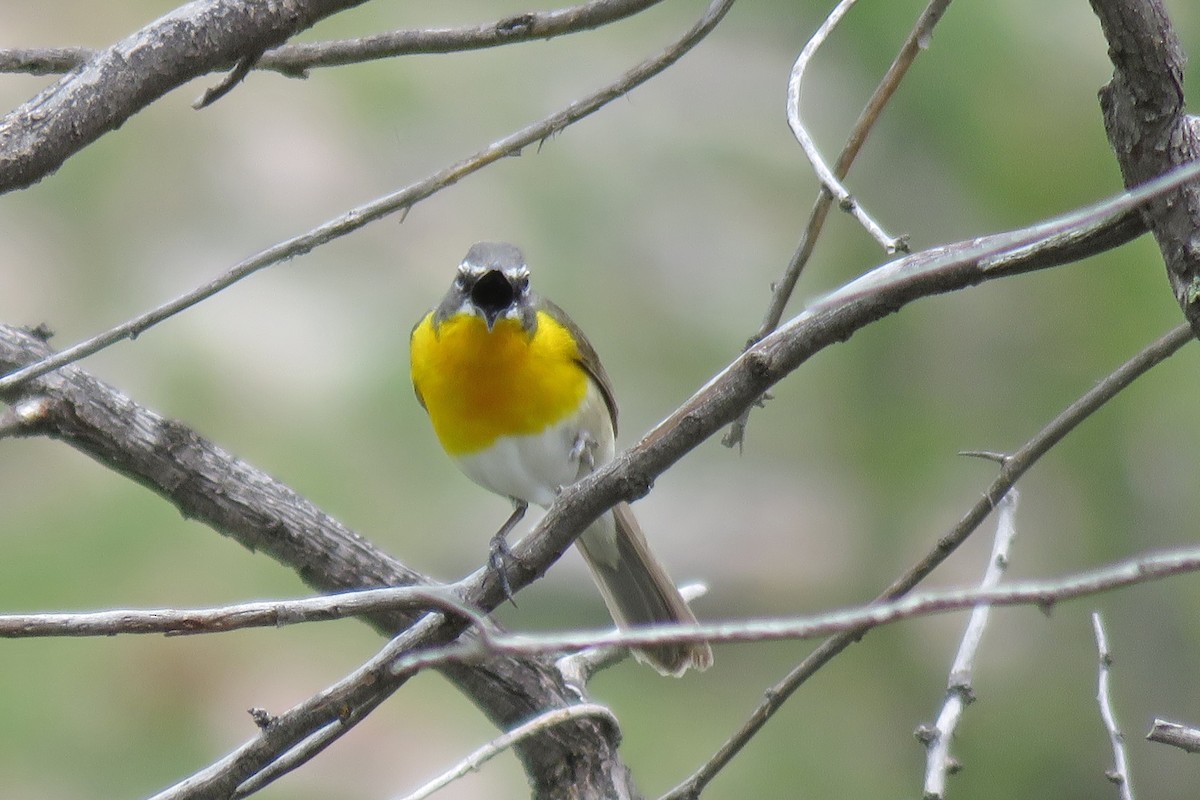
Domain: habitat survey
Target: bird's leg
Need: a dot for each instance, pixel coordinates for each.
(499, 554)
(584, 452)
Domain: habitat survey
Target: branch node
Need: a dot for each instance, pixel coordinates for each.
(960, 685)
(26, 417)
(41, 331)
(518, 25)
(926, 734)
(262, 718)
(988, 455)
(239, 72)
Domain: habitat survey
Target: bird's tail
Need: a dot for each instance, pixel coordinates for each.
(638, 591)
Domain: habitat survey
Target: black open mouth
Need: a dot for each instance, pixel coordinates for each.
(492, 294)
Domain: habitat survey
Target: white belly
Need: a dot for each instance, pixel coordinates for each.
(533, 468)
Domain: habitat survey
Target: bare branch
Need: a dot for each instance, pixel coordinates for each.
(294, 60)
(275, 613)
(1119, 774)
(228, 83)
(829, 181)
(782, 289)
(1044, 594)
(918, 39)
(1176, 735)
(1010, 472)
(960, 691)
(101, 94)
(289, 739)
(539, 724)
(399, 201)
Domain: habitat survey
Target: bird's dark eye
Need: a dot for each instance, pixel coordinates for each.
(493, 292)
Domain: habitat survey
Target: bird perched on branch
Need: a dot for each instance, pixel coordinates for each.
(518, 398)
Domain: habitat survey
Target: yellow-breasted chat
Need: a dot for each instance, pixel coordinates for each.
(519, 399)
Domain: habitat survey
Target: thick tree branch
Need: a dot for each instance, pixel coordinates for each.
(88, 102)
(294, 60)
(1150, 133)
(207, 483)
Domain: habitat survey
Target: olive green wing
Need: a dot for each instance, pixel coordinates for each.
(587, 355)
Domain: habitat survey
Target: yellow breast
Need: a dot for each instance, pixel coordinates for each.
(479, 385)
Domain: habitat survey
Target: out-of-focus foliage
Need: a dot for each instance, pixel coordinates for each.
(659, 224)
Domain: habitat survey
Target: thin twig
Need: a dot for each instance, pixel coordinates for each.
(960, 691)
(43, 60)
(396, 658)
(503, 742)
(825, 175)
(1044, 594)
(1175, 734)
(276, 613)
(375, 210)
(1010, 471)
(294, 60)
(918, 39)
(334, 708)
(1119, 774)
(309, 747)
(782, 289)
(236, 75)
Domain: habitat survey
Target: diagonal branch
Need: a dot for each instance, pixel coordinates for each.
(99, 96)
(782, 289)
(375, 210)
(1013, 468)
(917, 39)
(211, 485)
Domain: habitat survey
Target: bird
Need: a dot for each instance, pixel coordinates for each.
(519, 400)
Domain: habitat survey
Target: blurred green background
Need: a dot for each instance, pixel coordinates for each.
(659, 223)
